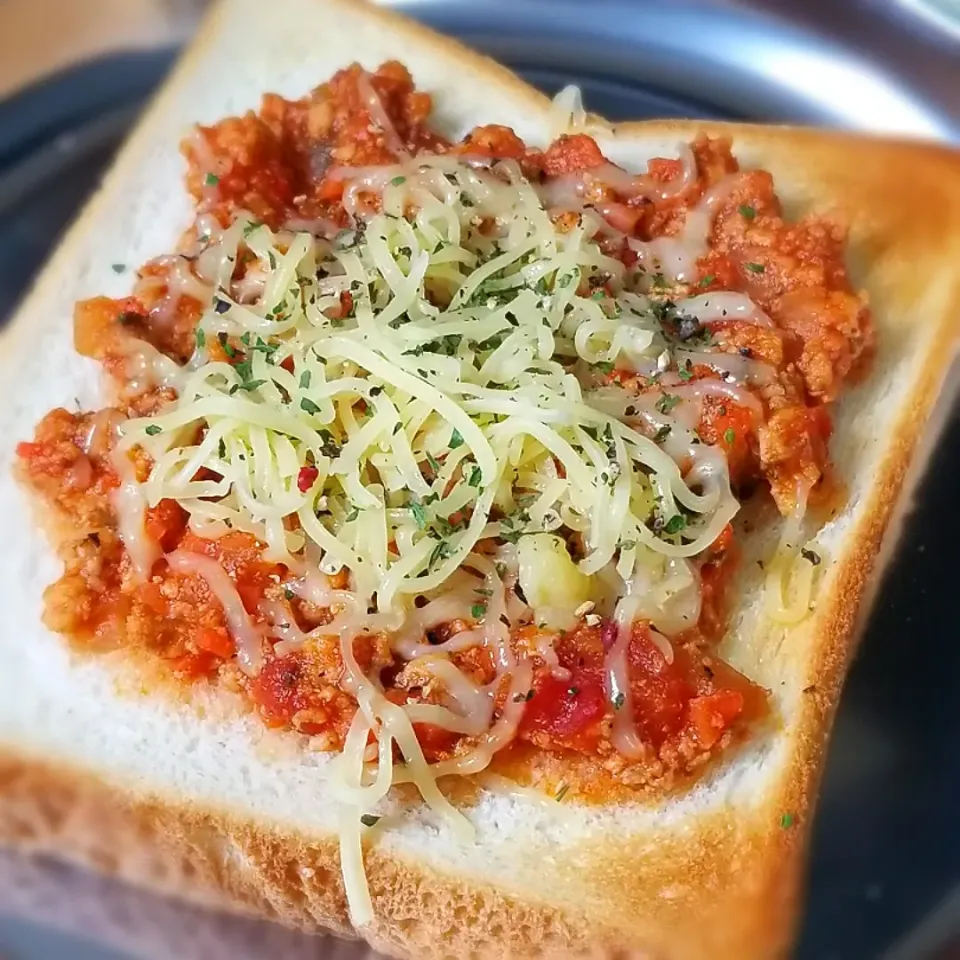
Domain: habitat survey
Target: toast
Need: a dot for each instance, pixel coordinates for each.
(212, 808)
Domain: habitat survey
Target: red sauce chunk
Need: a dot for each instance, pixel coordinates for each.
(694, 699)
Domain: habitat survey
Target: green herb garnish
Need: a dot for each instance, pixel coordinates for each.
(440, 552)
(667, 402)
(419, 514)
(675, 524)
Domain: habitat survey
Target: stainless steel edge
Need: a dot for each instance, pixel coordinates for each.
(745, 62)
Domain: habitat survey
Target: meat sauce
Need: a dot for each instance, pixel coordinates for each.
(284, 164)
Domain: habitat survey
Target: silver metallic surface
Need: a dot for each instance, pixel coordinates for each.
(942, 16)
(766, 61)
(871, 65)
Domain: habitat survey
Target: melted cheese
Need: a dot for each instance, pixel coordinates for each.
(130, 506)
(617, 678)
(380, 116)
(677, 256)
(792, 573)
(414, 389)
(245, 634)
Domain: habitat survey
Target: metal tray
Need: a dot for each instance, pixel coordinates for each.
(885, 862)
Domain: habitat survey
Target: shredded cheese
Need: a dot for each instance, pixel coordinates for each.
(792, 571)
(413, 387)
(464, 347)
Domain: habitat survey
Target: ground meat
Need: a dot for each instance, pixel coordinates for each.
(571, 154)
(833, 331)
(56, 463)
(286, 163)
(793, 451)
(281, 162)
(796, 273)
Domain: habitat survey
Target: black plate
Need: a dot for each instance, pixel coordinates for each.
(886, 850)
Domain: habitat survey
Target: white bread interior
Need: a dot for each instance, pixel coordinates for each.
(214, 808)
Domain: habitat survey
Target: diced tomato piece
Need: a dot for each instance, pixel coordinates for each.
(165, 523)
(711, 715)
(151, 596)
(275, 689)
(569, 711)
(306, 478)
(213, 641)
(330, 189)
(660, 690)
(566, 709)
(251, 592)
(667, 697)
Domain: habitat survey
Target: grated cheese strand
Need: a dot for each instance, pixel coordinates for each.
(392, 399)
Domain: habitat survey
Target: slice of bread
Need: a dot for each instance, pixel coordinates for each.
(198, 800)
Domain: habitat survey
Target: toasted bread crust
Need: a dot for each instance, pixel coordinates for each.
(231, 863)
(211, 858)
(725, 887)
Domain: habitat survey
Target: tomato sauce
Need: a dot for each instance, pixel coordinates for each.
(287, 163)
